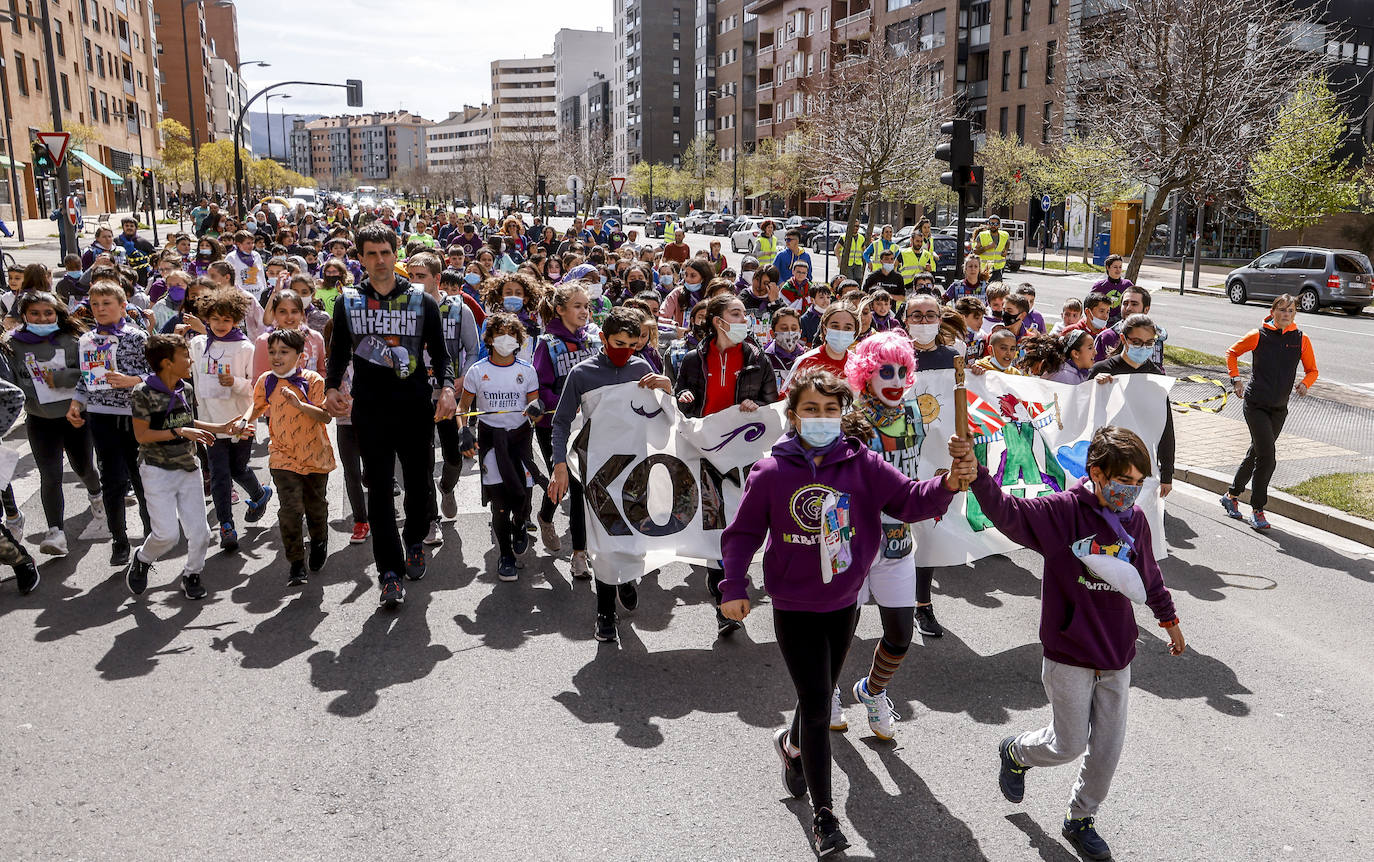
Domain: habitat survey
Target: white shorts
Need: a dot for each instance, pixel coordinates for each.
(892, 583)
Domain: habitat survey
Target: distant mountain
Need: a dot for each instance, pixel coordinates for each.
(258, 123)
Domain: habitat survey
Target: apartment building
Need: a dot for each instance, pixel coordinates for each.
(354, 148)
(734, 44)
(579, 58)
(106, 60)
(653, 113)
(227, 88)
(524, 100)
(462, 136)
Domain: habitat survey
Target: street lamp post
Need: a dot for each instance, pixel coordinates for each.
(143, 165)
(734, 152)
(267, 111)
(9, 143)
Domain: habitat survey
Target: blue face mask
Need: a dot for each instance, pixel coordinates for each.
(472, 278)
(818, 431)
(838, 340)
(1120, 497)
(1139, 355)
(513, 303)
(43, 329)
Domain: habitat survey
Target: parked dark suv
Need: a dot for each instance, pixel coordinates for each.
(1318, 277)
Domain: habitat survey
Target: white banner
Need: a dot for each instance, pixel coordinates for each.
(661, 488)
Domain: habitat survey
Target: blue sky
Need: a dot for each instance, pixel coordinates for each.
(427, 56)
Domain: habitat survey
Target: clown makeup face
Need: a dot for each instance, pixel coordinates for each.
(888, 384)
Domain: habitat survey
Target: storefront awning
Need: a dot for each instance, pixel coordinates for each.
(5, 163)
(822, 199)
(94, 164)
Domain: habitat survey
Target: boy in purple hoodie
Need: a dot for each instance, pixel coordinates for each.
(1087, 625)
(817, 499)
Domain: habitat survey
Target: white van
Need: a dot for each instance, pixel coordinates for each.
(306, 194)
(1016, 245)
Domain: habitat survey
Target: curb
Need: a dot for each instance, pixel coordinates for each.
(1313, 514)
(1053, 273)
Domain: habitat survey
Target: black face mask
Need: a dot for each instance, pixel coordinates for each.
(331, 280)
(637, 285)
(1009, 318)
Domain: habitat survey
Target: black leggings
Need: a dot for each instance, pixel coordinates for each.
(116, 453)
(899, 626)
(1266, 423)
(924, 574)
(48, 440)
(508, 513)
(577, 509)
(351, 460)
(814, 645)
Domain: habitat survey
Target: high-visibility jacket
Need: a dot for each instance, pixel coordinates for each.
(996, 257)
(874, 253)
(856, 250)
(916, 262)
(768, 249)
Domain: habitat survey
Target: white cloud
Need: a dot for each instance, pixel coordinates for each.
(427, 56)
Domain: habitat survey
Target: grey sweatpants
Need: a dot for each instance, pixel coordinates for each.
(1089, 714)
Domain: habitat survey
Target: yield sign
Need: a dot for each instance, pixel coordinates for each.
(617, 184)
(56, 142)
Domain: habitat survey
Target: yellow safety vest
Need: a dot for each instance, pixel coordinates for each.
(997, 257)
(878, 246)
(916, 262)
(856, 250)
(768, 249)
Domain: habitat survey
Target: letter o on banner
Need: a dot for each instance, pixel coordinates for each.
(635, 496)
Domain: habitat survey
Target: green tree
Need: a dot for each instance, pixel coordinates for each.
(1009, 168)
(1297, 179)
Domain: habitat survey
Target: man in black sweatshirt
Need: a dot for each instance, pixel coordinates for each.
(384, 329)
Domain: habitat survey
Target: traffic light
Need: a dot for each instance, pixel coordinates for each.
(543, 186)
(147, 178)
(355, 92)
(973, 188)
(42, 160)
(958, 151)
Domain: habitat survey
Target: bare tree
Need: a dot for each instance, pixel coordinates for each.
(589, 156)
(874, 123)
(522, 155)
(1188, 91)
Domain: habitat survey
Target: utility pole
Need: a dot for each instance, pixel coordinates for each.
(190, 97)
(66, 230)
(9, 143)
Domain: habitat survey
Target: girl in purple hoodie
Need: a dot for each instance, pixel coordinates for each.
(817, 500)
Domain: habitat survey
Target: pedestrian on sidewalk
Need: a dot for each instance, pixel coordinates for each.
(1278, 345)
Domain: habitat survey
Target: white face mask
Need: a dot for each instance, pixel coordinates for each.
(594, 291)
(788, 340)
(887, 267)
(735, 332)
(504, 345)
(923, 333)
(286, 374)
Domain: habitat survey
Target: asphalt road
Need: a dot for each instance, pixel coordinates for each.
(482, 721)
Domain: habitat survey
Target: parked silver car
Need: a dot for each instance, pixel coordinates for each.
(1318, 277)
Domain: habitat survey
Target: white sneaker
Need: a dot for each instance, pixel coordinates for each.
(436, 534)
(549, 534)
(881, 715)
(99, 528)
(15, 525)
(580, 569)
(448, 505)
(54, 542)
(837, 719)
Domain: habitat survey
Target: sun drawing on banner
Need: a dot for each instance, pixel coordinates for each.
(929, 407)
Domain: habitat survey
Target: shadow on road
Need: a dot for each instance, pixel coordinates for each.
(1316, 554)
(1049, 847)
(976, 583)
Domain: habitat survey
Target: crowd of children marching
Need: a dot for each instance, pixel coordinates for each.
(159, 375)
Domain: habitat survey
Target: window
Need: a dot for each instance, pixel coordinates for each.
(677, 41)
(1050, 48)
(90, 62)
(677, 92)
(894, 5)
(1021, 123)
(1054, 10)
(1006, 20)
(825, 18)
(21, 73)
(677, 17)
(1025, 15)
(825, 56)
(1046, 121)
(14, 21)
(1024, 77)
(677, 114)
(58, 39)
(104, 109)
(100, 61)
(1002, 121)
(677, 139)
(677, 64)
(95, 106)
(1006, 71)
(37, 76)
(66, 94)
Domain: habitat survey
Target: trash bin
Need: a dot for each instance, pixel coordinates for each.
(1101, 248)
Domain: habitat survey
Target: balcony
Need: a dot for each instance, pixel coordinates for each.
(765, 88)
(851, 61)
(764, 122)
(765, 55)
(856, 26)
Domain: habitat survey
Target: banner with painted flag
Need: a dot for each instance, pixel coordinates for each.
(1033, 436)
(659, 487)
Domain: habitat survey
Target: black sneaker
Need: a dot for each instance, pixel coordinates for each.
(257, 508)
(520, 542)
(136, 575)
(926, 623)
(191, 586)
(726, 626)
(629, 595)
(605, 628)
(415, 562)
(793, 781)
(319, 552)
(1012, 778)
(393, 591)
(505, 569)
(119, 553)
(26, 576)
(297, 575)
(825, 830)
(1084, 838)
(228, 537)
